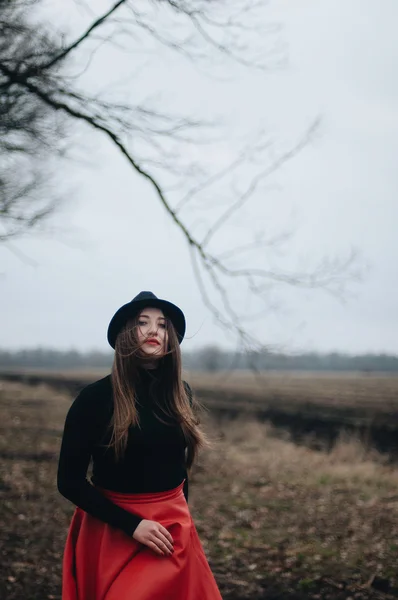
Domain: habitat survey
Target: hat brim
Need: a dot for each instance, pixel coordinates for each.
(129, 310)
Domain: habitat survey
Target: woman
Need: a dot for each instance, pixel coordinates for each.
(132, 536)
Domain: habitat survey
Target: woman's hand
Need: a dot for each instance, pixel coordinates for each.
(155, 536)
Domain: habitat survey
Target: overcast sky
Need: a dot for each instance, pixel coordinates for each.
(112, 238)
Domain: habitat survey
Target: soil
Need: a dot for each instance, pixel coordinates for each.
(267, 533)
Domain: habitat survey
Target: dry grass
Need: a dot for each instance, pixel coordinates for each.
(248, 445)
(277, 521)
(282, 517)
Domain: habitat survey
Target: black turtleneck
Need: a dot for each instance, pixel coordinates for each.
(154, 460)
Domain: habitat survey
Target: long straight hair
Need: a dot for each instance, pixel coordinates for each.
(171, 396)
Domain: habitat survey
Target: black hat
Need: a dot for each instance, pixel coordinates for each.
(143, 299)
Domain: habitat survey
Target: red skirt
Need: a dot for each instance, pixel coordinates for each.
(103, 563)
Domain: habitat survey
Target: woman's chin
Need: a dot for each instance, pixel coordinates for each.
(151, 352)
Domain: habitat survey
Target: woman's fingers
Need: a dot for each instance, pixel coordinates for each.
(162, 547)
(166, 534)
(155, 536)
(153, 546)
(163, 541)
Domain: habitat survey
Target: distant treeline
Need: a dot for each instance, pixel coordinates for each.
(209, 358)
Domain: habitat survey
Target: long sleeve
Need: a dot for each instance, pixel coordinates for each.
(76, 449)
(188, 391)
(185, 488)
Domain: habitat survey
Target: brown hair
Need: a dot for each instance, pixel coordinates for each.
(176, 400)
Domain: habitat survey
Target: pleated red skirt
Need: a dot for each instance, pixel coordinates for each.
(103, 563)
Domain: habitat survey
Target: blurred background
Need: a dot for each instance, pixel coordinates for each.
(238, 159)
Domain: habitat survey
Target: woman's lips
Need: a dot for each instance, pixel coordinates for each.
(153, 343)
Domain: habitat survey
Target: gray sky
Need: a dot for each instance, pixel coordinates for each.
(112, 238)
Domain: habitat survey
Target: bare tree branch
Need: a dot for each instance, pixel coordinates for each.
(34, 90)
(83, 37)
(257, 243)
(210, 181)
(245, 197)
(326, 277)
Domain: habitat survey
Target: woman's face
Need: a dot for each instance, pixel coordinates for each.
(151, 331)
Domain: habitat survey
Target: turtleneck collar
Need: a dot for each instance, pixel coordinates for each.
(148, 375)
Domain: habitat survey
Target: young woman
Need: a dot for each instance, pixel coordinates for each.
(132, 536)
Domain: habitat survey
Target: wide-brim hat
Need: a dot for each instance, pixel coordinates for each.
(143, 299)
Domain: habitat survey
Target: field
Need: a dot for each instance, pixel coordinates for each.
(277, 520)
(309, 405)
(349, 393)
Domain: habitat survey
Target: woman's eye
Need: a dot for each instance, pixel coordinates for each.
(141, 322)
(163, 325)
